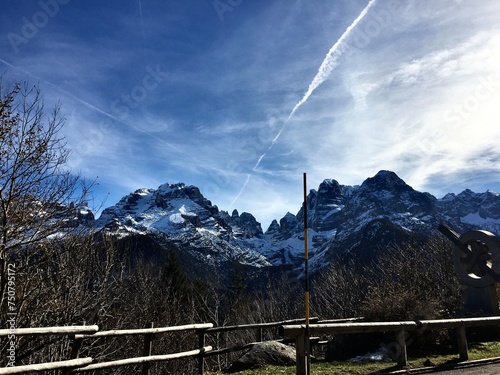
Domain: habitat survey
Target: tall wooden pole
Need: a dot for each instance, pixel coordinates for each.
(306, 274)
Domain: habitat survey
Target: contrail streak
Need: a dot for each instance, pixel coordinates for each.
(330, 61)
(326, 68)
(241, 191)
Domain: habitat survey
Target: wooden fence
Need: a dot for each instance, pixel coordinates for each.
(147, 358)
(57, 331)
(400, 328)
(79, 334)
(295, 330)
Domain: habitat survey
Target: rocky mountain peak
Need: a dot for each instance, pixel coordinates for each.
(286, 227)
(330, 200)
(168, 191)
(386, 180)
(273, 228)
(330, 187)
(322, 204)
(466, 193)
(244, 225)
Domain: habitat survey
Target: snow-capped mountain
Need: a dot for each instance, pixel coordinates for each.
(381, 211)
(341, 220)
(183, 215)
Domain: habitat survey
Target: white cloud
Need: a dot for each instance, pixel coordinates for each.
(414, 99)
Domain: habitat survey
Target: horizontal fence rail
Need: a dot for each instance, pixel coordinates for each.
(258, 325)
(67, 330)
(45, 331)
(46, 366)
(145, 331)
(412, 325)
(147, 359)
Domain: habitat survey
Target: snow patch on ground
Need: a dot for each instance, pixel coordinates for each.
(380, 355)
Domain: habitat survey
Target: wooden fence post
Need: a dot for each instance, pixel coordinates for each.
(300, 354)
(75, 347)
(201, 359)
(462, 344)
(147, 350)
(402, 355)
(76, 344)
(258, 335)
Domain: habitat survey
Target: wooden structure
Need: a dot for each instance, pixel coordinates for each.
(293, 329)
(81, 333)
(401, 329)
(147, 358)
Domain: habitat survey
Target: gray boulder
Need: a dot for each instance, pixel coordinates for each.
(264, 353)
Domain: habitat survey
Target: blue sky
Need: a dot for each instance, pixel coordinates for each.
(202, 91)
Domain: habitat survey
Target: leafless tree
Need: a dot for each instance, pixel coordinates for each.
(413, 281)
(36, 188)
(338, 290)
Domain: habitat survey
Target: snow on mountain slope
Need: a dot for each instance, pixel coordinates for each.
(341, 220)
(185, 216)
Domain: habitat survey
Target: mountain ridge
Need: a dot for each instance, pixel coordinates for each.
(342, 219)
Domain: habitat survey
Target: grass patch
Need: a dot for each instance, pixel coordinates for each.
(484, 350)
(476, 351)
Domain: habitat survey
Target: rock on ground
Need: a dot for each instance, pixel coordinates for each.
(269, 352)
